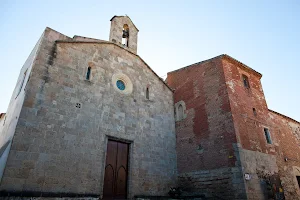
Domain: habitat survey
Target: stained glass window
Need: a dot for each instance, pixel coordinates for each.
(121, 85)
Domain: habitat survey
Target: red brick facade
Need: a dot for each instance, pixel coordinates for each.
(226, 114)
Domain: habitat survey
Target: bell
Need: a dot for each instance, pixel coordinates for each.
(125, 34)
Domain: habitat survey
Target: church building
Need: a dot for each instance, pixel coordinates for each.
(90, 119)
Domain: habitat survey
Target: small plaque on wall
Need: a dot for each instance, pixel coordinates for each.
(247, 177)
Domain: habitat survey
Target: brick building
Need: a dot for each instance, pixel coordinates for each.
(229, 144)
(89, 118)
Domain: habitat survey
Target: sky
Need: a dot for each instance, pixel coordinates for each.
(264, 35)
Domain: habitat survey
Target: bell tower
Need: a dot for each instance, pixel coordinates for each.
(124, 33)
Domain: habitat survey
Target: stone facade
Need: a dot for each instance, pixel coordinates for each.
(59, 148)
(222, 142)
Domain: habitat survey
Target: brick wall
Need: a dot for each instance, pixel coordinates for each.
(260, 159)
(206, 137)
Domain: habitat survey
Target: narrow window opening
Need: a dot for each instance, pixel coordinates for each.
(180, 112)
(125, 35)
(88, 73)
(246, 81)
(22, 83)
(4, 120)
(254, 111)
(268, 136)
(298, 180)
(147, 93)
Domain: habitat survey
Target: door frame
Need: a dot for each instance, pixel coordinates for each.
(129, 164)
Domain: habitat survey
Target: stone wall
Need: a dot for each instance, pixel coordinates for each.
(222, 183)
(9, 122)
(261, 167)
(60, 147)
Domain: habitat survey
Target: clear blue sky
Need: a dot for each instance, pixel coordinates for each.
(264, 35)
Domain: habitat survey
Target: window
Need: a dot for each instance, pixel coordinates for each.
(22, 83)
(246, 81)
(88, 73)
(125, 35)
(254, 111)
(120, 85)
(298, 180)
(4, 120)
(147, 93)
(268, 136)
(180, 112)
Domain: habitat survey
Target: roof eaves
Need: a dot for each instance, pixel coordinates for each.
(79, 36)
(222, 56)
(284, 116)
(242, 65)
(194, 64)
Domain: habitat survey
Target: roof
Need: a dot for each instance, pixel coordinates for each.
(284, 116)
(111, 43)
(82, 38)
(245, 67)
(125, 16)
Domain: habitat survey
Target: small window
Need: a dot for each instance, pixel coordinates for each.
(180, 112)
(254, 111)
(268, 136)
(246, 81)
(4, 120)
(298, 180)
(125, 35)
(147, 93)
(88, 73)
(120, 84)
(22, 83)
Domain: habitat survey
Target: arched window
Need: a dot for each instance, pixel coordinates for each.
(125, 35)
(246, 81)
(180, 112)
(88, 73)
(147, 93)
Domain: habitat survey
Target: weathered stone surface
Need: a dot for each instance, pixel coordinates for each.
(116, 29)
(61, 148)
(54, 136)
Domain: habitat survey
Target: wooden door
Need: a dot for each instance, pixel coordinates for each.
(116, 170)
